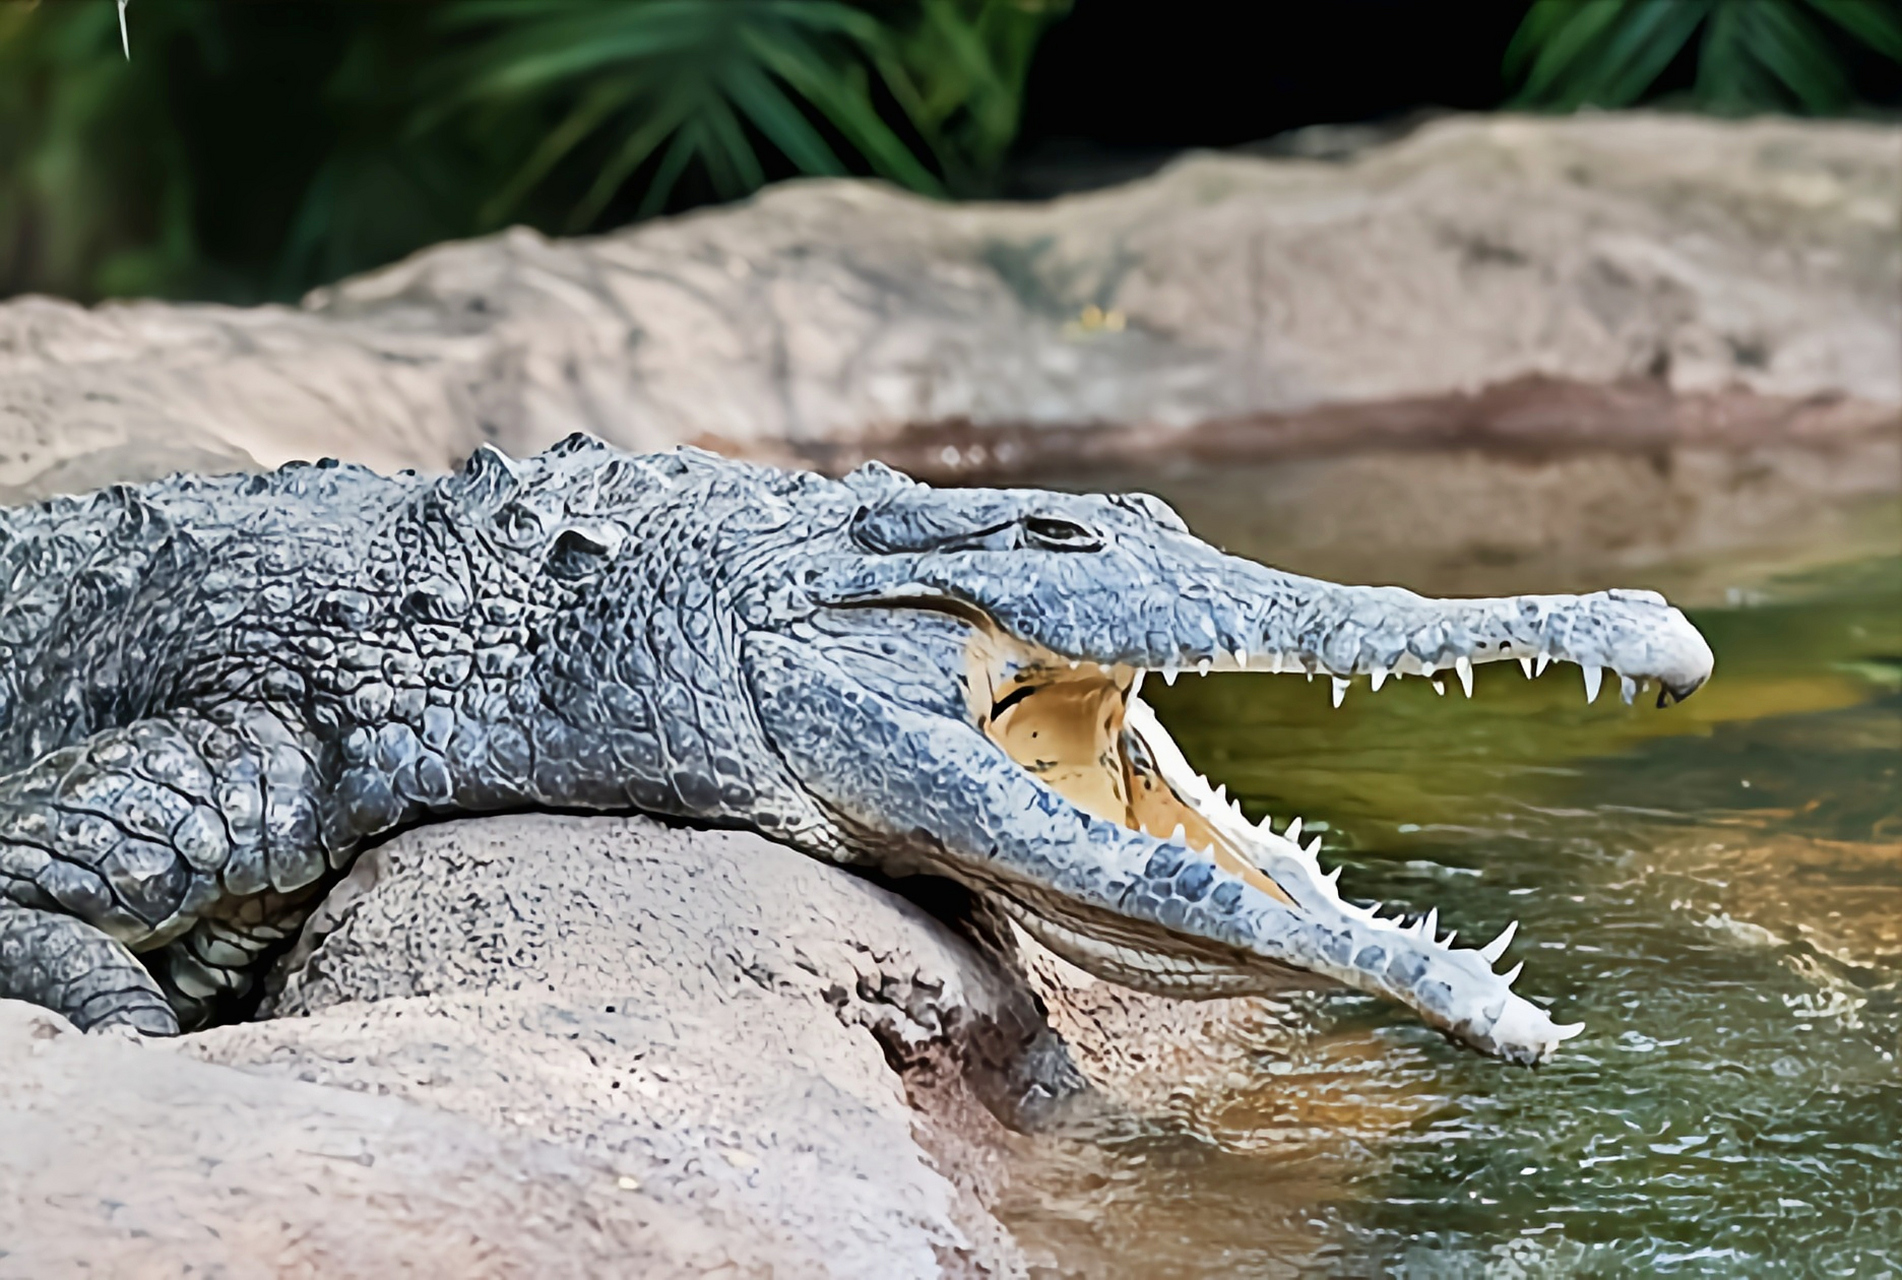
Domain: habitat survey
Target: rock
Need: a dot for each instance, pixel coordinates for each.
(127, 1160)
(551, 1046)
(1724, 262)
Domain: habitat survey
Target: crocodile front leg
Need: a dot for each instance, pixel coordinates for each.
(70, 967)
(187, 840)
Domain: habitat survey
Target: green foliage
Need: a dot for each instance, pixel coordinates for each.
(67, 171)
(254, 150)
(1752, 55)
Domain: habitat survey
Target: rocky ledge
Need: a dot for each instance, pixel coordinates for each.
(1640, 277)
(552, 1046)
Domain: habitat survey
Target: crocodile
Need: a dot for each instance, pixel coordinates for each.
(216, 691)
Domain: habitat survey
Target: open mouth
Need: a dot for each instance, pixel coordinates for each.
(1085, 732)
(1158, 881)
(1082, 729)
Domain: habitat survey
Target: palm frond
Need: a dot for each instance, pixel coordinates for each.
(1569, 32)
(678, 84)
(399, 125)
(1787, 42)
(68, 220)
(1875, 23)
(1752, 55)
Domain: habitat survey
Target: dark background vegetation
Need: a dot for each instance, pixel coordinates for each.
(1112, 94)
(252, 149)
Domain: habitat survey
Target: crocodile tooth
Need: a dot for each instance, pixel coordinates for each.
(1379, 677)
(1340, 690)
(1265, 824)
(1180, 835)
(1169, 675)
(1293, 833)
(1627, 689)
(1439, 687)
(1221, 793)
(1497, 947)
(1463, 665)
(1314, 847)
(1075, 663)
(1430, 927)
(1333, 878)
(1593, 677)
(1202, 667)
(1511, 975)
(1538, 669)
(1525, 665)
(1241, 659)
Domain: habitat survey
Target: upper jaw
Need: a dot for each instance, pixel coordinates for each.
(1237, 615)
(1193, 608)
(1382, 631)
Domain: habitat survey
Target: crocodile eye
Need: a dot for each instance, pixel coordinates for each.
(1055, 534)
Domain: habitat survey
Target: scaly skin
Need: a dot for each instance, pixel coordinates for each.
(214, 692)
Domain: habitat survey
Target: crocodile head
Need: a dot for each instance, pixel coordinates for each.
(954, 678)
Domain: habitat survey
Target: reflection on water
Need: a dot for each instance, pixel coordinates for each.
(1716, 889)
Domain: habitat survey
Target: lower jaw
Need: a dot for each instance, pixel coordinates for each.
(1152, 961)
(1107, 754)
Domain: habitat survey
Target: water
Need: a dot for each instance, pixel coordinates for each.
(1716, 889)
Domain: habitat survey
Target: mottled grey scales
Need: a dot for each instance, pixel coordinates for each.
(214, 692)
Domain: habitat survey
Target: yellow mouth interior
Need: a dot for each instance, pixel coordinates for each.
(1066, 725)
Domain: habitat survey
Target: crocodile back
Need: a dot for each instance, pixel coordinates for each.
(108, 599)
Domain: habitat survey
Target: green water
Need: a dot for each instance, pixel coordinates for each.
(1716, 889)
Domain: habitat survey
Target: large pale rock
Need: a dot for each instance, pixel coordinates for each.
(125, 1160)
(1759, 258)
(549, 1046)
